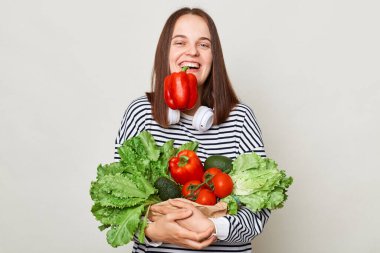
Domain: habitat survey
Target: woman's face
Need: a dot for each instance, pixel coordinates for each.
(191, 46)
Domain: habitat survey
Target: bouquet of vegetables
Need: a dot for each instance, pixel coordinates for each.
(148, 174)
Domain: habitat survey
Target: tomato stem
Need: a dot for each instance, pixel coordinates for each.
(193, 190)
(185, 68)
(208, 181)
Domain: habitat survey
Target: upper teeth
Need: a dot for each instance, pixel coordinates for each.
(189, 64)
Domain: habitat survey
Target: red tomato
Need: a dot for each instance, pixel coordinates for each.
(189, 188)
(209, 175)
(211, 172)
(206, 197)
(223, 185)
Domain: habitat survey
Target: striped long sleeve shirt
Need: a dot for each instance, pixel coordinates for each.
(239, 134)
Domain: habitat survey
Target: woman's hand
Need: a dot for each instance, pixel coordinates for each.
(197, 222)
(166, 229)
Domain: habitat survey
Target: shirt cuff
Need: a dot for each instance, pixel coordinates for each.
(151, 243)
(222, 227)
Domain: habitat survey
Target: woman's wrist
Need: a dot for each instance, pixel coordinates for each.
(149, 235)
(212, 224)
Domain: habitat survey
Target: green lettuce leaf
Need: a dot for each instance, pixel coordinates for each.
(192, 145)
(108, 200)
(232, 204)
(258, 183)
(143, 224)
(110, 169)
(122, 186)
(122, 234)
(149, 143)
(123, 190)
(109, 215)
(160, 167)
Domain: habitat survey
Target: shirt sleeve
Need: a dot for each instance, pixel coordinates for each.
(250, 139)
(132, 124)
(246, 225)
(222, 227)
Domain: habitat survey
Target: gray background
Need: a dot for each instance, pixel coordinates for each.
(310, 70)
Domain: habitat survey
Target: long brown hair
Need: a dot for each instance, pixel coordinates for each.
(217, 91)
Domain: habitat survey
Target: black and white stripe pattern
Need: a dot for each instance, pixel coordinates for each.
(246, 225)
(239, 134)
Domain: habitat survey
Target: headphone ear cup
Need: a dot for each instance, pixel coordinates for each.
(203, 118)
(173, 116)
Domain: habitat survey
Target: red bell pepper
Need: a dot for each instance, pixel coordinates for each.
(180, 90)
(186, 166)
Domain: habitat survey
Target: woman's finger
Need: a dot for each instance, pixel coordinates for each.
(163, 209)
(155, 217)
(205, 235)
(199, 245)
(180, 204)
(186, 234)
(179, 215)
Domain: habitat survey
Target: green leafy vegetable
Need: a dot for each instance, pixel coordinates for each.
(258, 183)
(160, 166)
(124, 190)
(119, 201)
(192, 145)
(232, 204)
(124, 231)
(142, 226)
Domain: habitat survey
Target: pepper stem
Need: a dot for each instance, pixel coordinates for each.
(183, 160)
(184, 68)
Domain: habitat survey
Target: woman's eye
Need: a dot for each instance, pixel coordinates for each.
(205, 45)
(180, 43)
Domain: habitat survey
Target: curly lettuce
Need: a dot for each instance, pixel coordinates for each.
(258, 183)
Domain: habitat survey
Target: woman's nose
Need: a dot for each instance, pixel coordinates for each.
(193, 50)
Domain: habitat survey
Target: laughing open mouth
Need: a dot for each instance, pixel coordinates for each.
(190, 65)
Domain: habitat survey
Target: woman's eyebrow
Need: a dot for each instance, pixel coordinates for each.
(179, 36)
(184, 37)
(204, 38)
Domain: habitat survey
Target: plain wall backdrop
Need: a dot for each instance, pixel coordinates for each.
(309, 69)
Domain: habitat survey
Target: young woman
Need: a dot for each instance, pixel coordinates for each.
(189, 38)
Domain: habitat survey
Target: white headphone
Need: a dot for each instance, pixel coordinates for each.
(202, 120)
